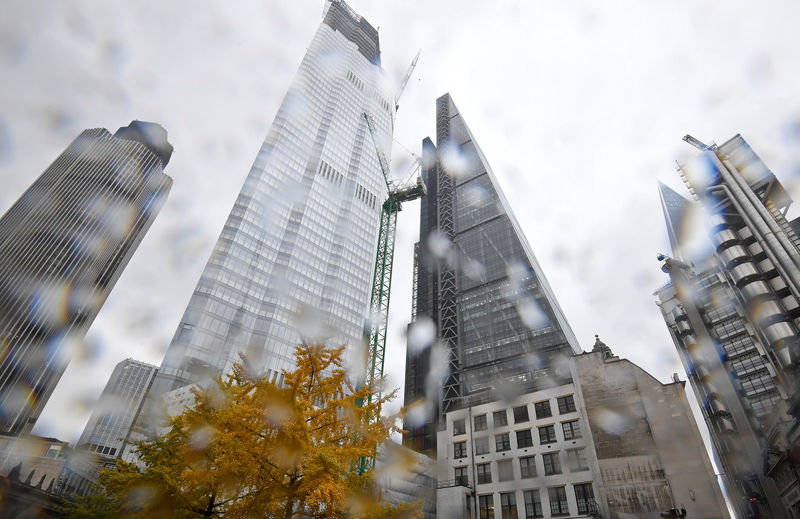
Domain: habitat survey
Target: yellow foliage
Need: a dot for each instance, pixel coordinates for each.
(249, 448)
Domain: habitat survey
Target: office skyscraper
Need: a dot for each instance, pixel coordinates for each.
(500, 328)
(63, 245)
(108, 430)
(295, 258)
(732, 310)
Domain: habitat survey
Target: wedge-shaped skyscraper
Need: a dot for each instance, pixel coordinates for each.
(63, 245)
(295, 258)
(500, 328)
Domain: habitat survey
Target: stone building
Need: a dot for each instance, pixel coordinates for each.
(649, 450)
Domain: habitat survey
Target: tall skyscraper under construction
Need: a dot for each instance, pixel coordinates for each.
(63, 245)
(500, 328)
(732, 308)
(295, 258)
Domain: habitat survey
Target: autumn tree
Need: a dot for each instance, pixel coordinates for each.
(251, 448)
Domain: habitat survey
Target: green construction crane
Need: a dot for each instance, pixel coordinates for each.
(375, 328)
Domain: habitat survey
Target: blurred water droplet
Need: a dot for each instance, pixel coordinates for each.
(531, 314)
(453, 162)
(609, 421)
(421, 334)
(439, 244)
(201, 438)
(474, 270)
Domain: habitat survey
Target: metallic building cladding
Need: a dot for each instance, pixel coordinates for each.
(498, 320)
(63, 246)
(295, 258)
(108, 429)
(737, 335)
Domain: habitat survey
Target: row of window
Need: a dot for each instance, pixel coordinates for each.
(557, 498)
(577, 461)
(566, 404)
(502, 442)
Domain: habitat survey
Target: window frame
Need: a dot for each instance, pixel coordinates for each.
(573, 432)
(553, 459)
(525, 469)
(486, 506)
(480, 422)
(547, 410)
(560, 506)
(569, 404)
(508, 505)
(502, 413)
(547, 438)
(502, 440)
(518, 414)
(483, 473)
(459, 427)
(459, 450)
(584, 500)
(524, 445)
(533, 506)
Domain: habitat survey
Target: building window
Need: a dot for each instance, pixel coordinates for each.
(484, 471)
(584, 495)
(486, 506)
(558, 500)
(521, 414)
(462, 476)
(508, 505)
(552, 465)
(500, 418)
(571, 430)
(566, 404)
(524, 439)
(481, 445)
(501, 442)
(576, 459)
(527, 467)
(547, 434)
(480, 422)
(533, 503)
(542, 409)
(504, 470)
(459, 427)
(460, 450)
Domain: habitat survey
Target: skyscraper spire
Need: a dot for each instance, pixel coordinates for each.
(675, 210)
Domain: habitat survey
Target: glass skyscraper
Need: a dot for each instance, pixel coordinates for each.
(63, 246)
(108, 430)
(295, 258)
(500, 328)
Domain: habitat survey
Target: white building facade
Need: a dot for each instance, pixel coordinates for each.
(528, 457)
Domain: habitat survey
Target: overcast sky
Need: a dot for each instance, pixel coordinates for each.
(579, 107)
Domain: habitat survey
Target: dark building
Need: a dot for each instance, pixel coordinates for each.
(63, 245)
(732, 307)
(499, 326)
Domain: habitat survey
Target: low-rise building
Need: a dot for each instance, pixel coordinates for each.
(613, 443)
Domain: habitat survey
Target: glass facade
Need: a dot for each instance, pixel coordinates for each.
(63, 245)
(295, 258)
(108, 429)
(478, 280)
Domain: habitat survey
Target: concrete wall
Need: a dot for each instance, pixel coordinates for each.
(647, 443)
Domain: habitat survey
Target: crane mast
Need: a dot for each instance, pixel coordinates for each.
(376, 325)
